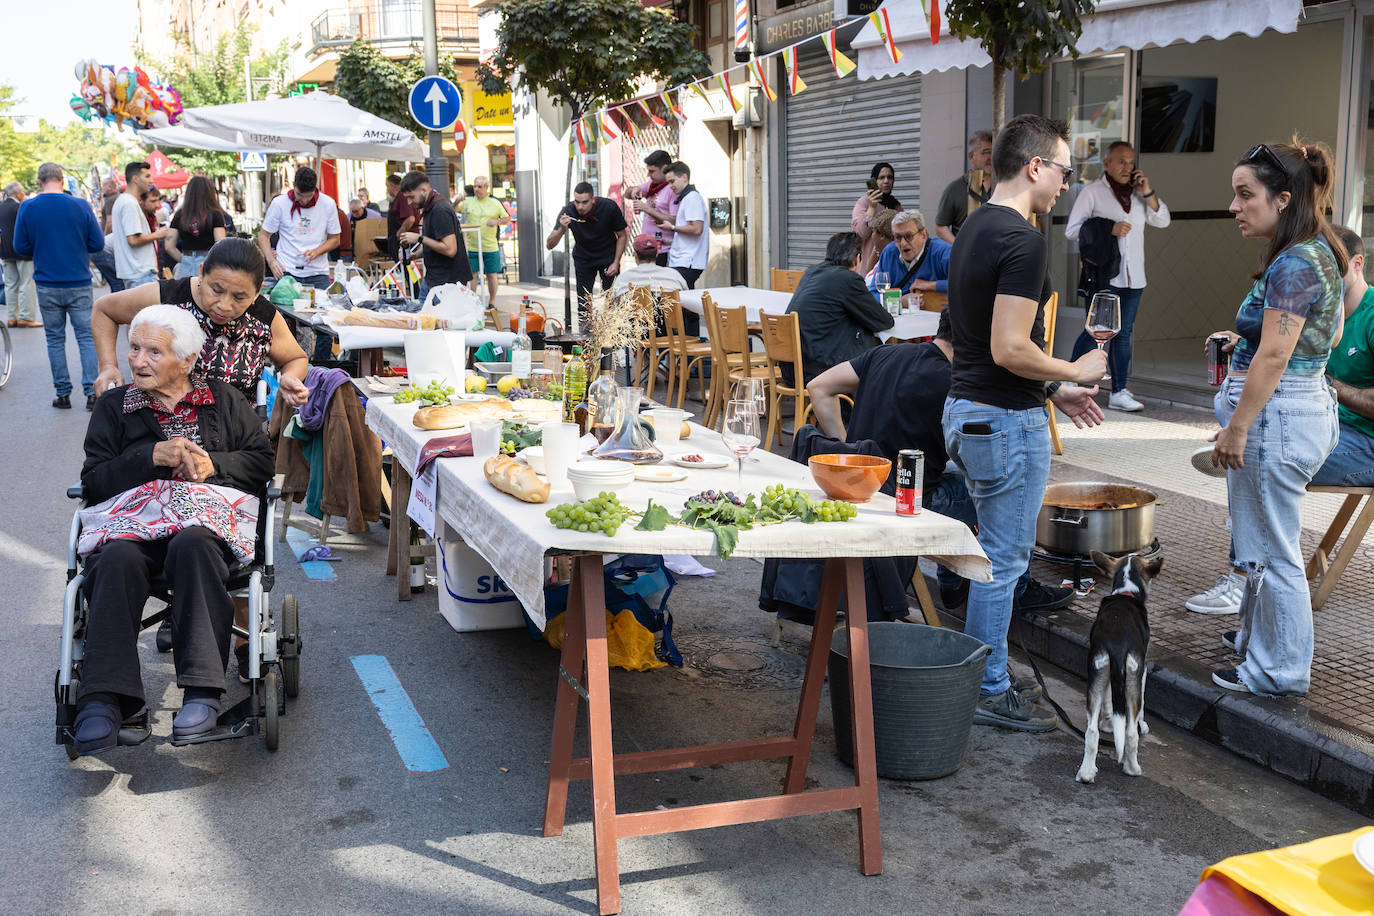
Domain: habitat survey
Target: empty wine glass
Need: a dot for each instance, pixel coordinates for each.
(1104, 318)
(752, 389)
(740, 433)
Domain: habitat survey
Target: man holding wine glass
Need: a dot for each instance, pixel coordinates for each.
(995, 425)
(1124, 198)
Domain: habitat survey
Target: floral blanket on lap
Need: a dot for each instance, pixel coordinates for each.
(160, 508)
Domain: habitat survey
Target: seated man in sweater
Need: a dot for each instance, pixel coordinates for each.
(646, 271)
(914, 262)
(837, 314)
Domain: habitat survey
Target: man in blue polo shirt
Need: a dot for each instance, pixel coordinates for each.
(913, 261)
(60, 233)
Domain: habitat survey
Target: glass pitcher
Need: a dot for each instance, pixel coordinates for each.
(630, 439)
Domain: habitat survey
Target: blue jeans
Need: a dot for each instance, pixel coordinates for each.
(1351, 464)
(950, 498)
(324, 344)
(1287, 444)
(190, 264)
(105, 263)
(58, 304)
(1119, 350)
(140, 280)
(1006, 469)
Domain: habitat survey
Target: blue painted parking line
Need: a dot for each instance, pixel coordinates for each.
(301, 542)
(417, 747)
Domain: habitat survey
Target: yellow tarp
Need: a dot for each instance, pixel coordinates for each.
(1320, 878)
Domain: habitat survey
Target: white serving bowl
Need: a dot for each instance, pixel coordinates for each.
(589, 478)
(534, 457)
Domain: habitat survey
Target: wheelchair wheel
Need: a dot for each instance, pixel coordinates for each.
(6, 355)
(289, 646)
(271, 708)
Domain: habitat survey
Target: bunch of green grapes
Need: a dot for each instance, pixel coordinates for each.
(554, 392)
(784, 500)
(602, 512)
(436, 392)
(835, 510)
(508, 446)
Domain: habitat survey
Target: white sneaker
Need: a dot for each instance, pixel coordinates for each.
(1124, 400)
(1222, 598)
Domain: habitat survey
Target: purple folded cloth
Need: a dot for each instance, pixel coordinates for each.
(322, 384)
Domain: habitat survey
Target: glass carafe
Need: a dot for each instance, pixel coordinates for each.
(629, 440)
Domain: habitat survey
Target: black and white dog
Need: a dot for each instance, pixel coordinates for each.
(1120, 637)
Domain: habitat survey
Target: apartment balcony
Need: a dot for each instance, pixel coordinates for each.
(393, 22)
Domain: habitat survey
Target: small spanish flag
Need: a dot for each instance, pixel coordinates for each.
(413, 271)
(649, 113)
(675, 108)
(794, 80)
(762, 74)
(580, 132)
(608, 132)
(843, 65)
(723, 80)
(884, 27)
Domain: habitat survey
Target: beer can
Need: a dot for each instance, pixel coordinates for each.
(911, 468)
(1218, 360)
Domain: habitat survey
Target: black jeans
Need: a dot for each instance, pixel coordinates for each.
(196, 562)
(691, 321)
(586, 273)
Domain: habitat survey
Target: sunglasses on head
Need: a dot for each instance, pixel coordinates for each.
(1067, 170)
(1262, 153)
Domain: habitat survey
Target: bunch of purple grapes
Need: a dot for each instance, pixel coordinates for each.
(712, 497)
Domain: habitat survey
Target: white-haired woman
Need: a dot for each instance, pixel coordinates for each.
(170, 425)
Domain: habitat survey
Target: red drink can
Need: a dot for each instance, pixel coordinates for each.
(911, 468)
(1218, 360)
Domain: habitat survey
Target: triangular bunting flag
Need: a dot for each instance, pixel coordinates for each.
(843, 65)
(608, 132)
(675, 108)
(763, 80)
(884, 27)
(649, 112)
(580, 131)
(701, 91)
(794, 80)
(935, 22)
(723, 80)
(629, 130)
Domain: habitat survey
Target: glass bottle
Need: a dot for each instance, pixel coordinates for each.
(629, 438)
(520, 355)
(574, 389)
(417, 565)
(601, 399)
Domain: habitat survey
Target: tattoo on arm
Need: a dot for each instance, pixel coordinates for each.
(1285, 323)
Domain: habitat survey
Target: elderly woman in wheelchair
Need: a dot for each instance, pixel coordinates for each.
(171, 461)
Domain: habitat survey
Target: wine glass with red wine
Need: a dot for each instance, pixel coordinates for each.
(1104, 318)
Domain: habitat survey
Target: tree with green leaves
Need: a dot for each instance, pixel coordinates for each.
(1021, 36)
(216, 77)
(77, 146)
(18, 161)
(371, 81)
(585, 53)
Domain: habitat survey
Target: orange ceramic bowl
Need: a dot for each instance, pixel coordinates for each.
(853, 478)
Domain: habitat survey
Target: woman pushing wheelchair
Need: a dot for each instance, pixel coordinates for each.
(172, 461)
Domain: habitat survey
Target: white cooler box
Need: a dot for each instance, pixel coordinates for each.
(471, 594)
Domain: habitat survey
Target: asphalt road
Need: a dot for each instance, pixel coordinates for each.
(334, 822)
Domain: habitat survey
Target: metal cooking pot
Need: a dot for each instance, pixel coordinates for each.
(1077, 518)
(565, 342)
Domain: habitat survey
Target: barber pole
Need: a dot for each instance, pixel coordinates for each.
(911, 469)
(741, 24)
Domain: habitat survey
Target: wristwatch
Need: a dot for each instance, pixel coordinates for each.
(1151, 194)
(1051, 388)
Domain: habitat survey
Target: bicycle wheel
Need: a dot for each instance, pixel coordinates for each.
(6, 355)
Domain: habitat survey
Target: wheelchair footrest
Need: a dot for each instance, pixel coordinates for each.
(240, 729)
(132, 731)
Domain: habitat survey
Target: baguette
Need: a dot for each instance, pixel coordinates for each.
(452, 416)
(370, 319)
(510, 476)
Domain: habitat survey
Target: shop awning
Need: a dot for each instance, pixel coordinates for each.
(1132, 24)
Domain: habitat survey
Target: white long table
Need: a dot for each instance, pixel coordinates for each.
(514, 536)
(907, 326)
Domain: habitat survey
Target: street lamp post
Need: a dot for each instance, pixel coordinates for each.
(436, 166)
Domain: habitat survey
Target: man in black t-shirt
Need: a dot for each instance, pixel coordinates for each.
(599, 234)
(996, 427)
(446, 258)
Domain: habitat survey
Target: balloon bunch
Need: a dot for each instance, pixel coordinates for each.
(116, 96)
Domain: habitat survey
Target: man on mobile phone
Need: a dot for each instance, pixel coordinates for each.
(1124, 197)
(995, 425)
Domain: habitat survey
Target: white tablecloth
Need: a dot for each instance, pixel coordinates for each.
(912, 324)
(732, 297)
(353, 337)
(513, 536)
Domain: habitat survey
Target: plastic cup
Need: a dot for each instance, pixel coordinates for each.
(560, 449)
(486, 437)
(667, 423)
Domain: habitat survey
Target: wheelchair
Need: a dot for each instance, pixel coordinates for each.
(274, 643)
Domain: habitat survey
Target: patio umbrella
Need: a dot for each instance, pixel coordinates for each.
(183, 137)
(166, 175)
(317, 123)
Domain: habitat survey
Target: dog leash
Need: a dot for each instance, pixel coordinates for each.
(1040, 679)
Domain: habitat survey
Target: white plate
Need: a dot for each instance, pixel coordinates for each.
(1364, 851)
(658, 474)
(707, 462)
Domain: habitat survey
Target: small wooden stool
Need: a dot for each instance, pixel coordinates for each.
(1322, 566)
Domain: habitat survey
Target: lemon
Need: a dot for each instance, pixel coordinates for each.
(475, 384)
(507, 384)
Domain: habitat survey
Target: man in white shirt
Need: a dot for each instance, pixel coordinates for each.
(691, 247)
(1122, 195)
(307, 226)
(134, 251)
(646, 272)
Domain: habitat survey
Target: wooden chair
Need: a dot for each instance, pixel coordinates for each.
(732, 357)
(782, 346)
(1322, 567)
(364, 247)
(651, 350)
(785, 281)
(934, 302)
(1051, 315)
(684, 352)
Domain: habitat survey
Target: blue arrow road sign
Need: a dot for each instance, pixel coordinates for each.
(435, 103)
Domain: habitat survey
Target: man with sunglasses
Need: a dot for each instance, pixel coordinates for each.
(995, 425)
(1122, 196)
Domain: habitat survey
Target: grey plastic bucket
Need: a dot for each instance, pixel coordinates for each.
(925, 686)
